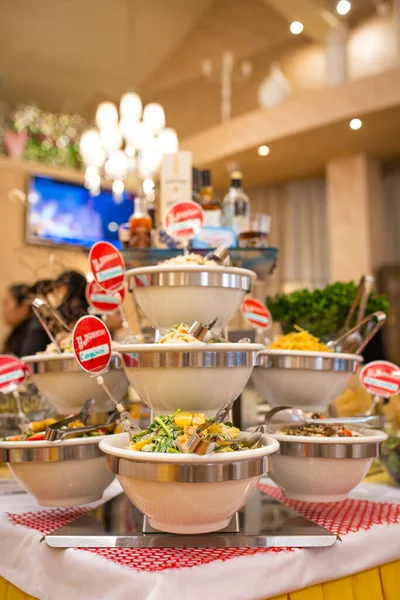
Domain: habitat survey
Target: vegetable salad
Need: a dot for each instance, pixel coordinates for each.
(179, 334)
(172, 433)
(37, 430)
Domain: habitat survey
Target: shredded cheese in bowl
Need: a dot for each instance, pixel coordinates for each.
(299, 340)
(189, 259)
(179, 335)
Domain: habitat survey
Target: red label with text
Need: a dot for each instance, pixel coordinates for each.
(107, 266)
(103, 301)
(183, 220)
(381, 378)
(131, 360)
(13, 373)
(92, 344)
(256, 313)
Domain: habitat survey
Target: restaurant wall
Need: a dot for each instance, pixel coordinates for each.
(24, 263)
(20, 262)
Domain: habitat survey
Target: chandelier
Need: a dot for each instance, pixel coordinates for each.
(132, 140)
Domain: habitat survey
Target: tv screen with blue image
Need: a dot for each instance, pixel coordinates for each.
(64, 213)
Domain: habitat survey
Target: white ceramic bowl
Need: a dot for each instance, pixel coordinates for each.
(187, 494)
(193, 377)
(61, 473)
(173, 294)
(309, 380)
(323, 469)
(67, 386)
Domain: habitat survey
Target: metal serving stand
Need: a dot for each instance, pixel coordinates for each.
(262, 523)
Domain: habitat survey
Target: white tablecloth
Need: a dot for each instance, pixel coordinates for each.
(51, 574)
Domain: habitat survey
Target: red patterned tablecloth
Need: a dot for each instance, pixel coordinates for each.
(339, 517)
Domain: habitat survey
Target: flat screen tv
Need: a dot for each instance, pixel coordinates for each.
(64, 213)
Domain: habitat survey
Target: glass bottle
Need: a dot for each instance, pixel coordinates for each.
(140, 224)
(196, 185)
(211, 207)
(236, 206)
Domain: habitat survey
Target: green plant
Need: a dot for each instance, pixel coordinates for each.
(322, 312)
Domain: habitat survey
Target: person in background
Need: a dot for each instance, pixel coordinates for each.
(27, 335)
(67, 295)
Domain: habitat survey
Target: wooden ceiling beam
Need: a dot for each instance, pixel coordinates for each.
(317, 21)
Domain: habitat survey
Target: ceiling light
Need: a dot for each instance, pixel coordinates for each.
(263, 150)
(296, 27)
(355, 124)
(343, 7)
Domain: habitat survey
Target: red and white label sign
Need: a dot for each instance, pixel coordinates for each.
(92, 344)
(107, 266)
(183, 220)
(256, 313)
(381, 378)
(103, 301)
(131, 359)
(13, 373)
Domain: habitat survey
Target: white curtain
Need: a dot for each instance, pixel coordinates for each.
(391, 199)
(298, 229)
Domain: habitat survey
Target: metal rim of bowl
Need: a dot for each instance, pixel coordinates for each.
(205, 278)
(55, 453)
(308, 363)
(192, 359)
(334, 450)
(163, 472)
(68, 365)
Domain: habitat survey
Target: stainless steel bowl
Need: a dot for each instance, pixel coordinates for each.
(203, 277)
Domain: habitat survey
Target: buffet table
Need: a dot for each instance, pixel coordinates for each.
(363, 564)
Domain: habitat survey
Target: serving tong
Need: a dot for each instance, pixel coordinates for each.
(44, 313)
(200, 332)
(200, 446)
(351, 341)
(58, 431)
(291, 416)
(361, 300)
(219, 255)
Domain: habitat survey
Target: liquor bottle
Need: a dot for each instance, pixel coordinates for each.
(211, 207)
(236, 206)
(196, 185)
(141, 225)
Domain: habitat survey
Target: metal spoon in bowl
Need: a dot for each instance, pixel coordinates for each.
(292, 416)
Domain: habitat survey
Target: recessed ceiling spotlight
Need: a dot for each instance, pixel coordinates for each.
(296, 27)
(355, 124)
(343, 7)
(263, 150)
